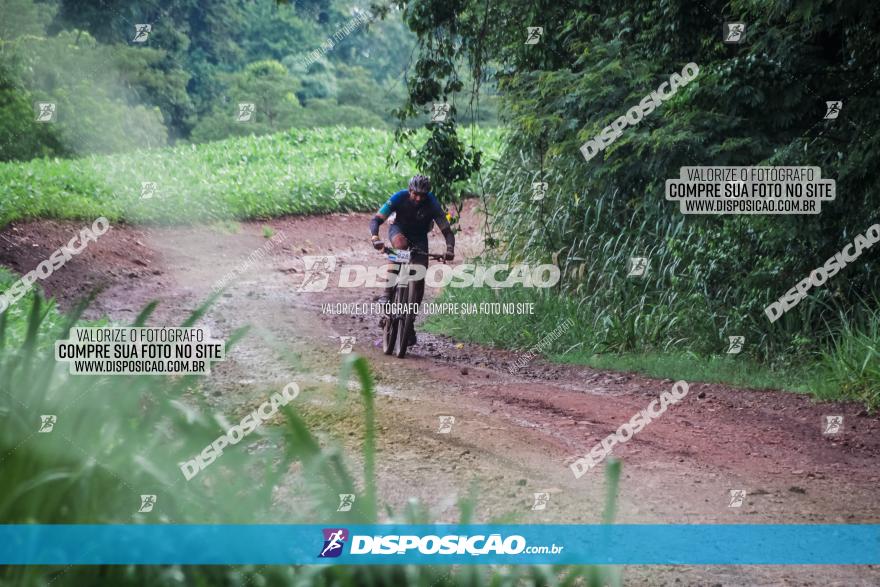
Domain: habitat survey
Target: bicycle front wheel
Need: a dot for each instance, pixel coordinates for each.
(389, 332)
(405, 322)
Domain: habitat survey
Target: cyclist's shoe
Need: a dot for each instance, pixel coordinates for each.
(411, 339)
(382, 299)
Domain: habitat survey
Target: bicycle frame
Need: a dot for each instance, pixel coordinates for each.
(397, 325)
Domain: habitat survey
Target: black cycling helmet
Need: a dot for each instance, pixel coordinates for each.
(420, 184)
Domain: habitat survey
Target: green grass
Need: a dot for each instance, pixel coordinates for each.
(848, 370)
(708, 278)
(118, 437)
(691, 367)
(852, 363)
(294, 172)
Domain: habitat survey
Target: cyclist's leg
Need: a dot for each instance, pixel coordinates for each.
(398, 241)
(419, 259)
(418, 286)
(397, 238)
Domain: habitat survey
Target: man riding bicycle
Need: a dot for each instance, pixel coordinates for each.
(416, 210)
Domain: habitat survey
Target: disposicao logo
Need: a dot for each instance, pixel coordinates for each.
(449, 544)
(334, 540)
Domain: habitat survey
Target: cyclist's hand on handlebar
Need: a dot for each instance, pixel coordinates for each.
(378, 244)
(450, 254)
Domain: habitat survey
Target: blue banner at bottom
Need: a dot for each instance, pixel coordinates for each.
(737, 544)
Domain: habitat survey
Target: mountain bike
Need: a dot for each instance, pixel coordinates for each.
(400, 317)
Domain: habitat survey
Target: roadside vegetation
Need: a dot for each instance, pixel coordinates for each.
(633, 340)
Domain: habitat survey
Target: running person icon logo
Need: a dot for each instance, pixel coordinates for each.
(638, 266)
(334, 540)
(246, 112)
(734, 32)
(832, 425)
(47, 423)
(317, 272)
(832, 109)
(735, 344)
(142, 33)
(45, 111)
(147, 503)
(533, 34)
(346, 501)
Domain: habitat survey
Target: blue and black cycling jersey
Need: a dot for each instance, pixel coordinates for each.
(414, 220)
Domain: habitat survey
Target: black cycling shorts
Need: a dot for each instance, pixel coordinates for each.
(420, 243)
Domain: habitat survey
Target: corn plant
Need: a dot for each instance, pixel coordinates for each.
(300, 171)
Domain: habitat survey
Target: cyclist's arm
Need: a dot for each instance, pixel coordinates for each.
(385, 211)
(443, 224)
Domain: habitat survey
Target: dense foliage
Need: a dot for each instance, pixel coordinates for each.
(761, 102)
(311, 63)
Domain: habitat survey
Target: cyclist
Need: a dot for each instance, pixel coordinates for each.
(416, 210)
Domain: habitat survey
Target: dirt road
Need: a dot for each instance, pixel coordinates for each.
(512, 436)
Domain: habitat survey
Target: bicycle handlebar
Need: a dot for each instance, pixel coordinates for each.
(389, 250)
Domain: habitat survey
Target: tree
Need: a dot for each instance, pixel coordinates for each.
(267, 85)
(758, 103)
